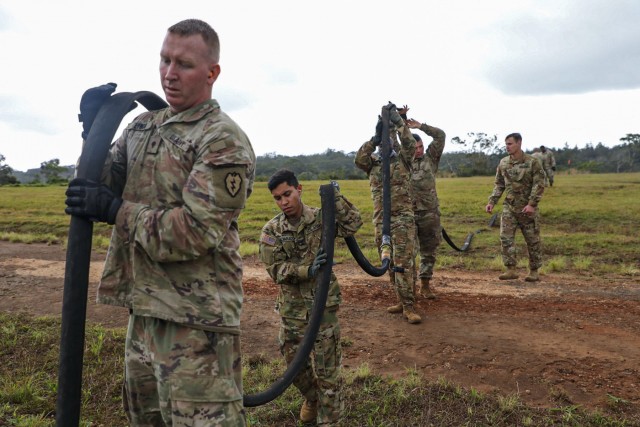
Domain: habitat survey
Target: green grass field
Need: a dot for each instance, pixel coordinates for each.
(588, 221)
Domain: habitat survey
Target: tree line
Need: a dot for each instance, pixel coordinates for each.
(475, 154)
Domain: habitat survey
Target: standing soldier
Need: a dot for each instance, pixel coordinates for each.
(538, 155)
(522, 177)
(425, 202)
(174, 185)
(402, 219)
(290, 249)
(548, 163)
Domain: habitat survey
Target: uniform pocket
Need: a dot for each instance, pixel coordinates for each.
(204, 389)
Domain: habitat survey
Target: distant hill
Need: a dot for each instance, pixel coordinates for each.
(32, 175)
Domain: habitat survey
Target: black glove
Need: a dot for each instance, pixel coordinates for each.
(396, 118)
(92, 100)
(553, 168)
(91, 200)
(377, 139)
(320, 259)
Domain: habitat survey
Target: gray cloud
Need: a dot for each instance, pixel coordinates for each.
(232, 99)
(15, 114)
(586, 46)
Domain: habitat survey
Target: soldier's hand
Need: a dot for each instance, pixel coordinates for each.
(488, 208)
(91, 200)
(319, 260)
(553, 168)
(403, 111)
(413, 124)
(335, 185)
(396, 118)
(377, 138)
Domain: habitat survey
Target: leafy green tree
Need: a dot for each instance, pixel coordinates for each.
(6, 173)
(631, 149)
(51, 170)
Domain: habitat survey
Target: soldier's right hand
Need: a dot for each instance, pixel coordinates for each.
(377, 139)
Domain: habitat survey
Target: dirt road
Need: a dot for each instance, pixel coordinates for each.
(564, 340)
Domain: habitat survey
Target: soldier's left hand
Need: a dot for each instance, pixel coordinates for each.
(528, 210)
(319, 260)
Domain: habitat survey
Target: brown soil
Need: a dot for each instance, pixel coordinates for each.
(568, 339)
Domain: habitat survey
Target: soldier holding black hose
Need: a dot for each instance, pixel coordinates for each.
(290, 247)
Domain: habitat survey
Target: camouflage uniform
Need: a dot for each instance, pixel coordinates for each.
(174, 261)
(549, 163)
(288, 250)
(523, 181)
(540, 156)
(426, 207)
(403, 229)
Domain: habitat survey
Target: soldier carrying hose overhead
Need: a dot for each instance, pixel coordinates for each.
(402, 217)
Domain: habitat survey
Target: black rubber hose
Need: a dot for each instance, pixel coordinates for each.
(351, 242)
(363, 262)
(76, 277)
(319, 302)
(386, 176)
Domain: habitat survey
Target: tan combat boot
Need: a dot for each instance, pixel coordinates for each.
(424, 290)
(395, 308)
(533, 275)
(411, 315)
(309, 411)
(510, 274)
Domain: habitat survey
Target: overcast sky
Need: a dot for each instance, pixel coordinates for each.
(302, 77)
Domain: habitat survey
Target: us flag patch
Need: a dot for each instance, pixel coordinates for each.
(267, 239)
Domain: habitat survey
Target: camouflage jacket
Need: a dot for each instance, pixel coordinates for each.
(548, 159)
(538, 155)
(174, 251)
(289, 250)
(523, 181)
(423, 178)
(400, 167)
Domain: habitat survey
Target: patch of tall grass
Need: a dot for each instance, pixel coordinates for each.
(582, 217)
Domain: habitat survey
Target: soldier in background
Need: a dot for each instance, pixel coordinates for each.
(403, 227)
(548, 163)
(426, 207)
(290, 249)
(174, 185)
(538, 155)
(522, 178)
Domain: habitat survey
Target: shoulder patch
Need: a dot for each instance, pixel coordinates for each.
(233, 183)
(267, 239)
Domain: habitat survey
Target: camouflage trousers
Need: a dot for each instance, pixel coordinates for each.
(550, 173)
(530, 227)
(428, 238)
(403, 235)
(180, 376)
(319, 379)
